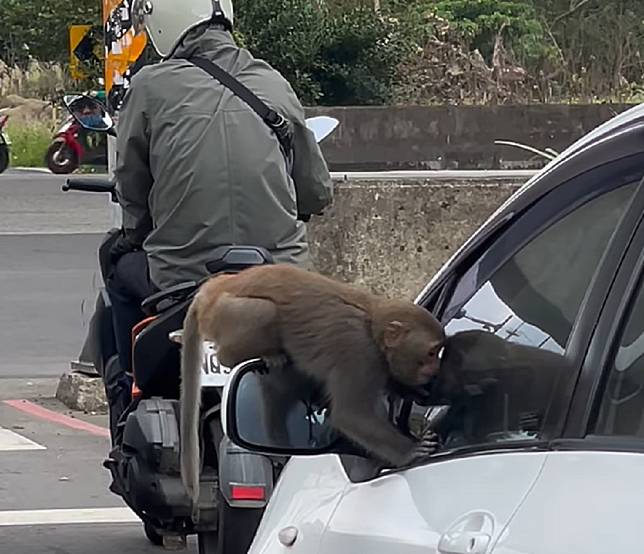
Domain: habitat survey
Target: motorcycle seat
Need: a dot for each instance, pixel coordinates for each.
(225, 259)
(232, 259)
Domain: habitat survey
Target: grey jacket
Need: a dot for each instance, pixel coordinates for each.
(197, 168)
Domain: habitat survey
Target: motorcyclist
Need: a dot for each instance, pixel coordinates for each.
(197, 168)
(91, 116)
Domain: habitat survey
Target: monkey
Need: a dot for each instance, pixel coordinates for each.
(498, 385)
(349, 341)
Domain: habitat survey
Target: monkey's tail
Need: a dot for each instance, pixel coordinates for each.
(190, 404)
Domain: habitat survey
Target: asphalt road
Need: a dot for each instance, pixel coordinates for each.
(53, 489)
(48, 271)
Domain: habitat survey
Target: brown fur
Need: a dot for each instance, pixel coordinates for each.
(349, 341)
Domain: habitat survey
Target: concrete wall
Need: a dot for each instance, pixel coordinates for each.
(392, 236)
(453, 137)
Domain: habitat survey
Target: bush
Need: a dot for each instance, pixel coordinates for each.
(359, 59)
(479, 22)
(29, 143)
(330, 56)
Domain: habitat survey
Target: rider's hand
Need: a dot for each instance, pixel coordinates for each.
(121, 247)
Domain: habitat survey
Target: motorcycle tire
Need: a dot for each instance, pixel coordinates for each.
(152, 535)
(4, 157)
(61, 159)
(236, 530)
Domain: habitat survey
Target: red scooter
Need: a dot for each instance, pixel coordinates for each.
(73, 145)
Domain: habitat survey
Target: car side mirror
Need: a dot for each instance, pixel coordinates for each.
(265, 413)
(90, 113)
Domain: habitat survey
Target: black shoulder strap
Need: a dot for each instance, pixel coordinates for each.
(273, 119)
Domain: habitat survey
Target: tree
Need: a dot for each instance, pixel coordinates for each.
(39, 28)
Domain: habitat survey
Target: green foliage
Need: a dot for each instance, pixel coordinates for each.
(331, 55)
(342, 52)
(39, 28)
(480, 21)
(29, 143)
(359, 59)
(288, 34)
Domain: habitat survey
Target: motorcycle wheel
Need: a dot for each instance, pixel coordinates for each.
(4, 157)
(236, 530)
(60, 158)
(152, 535)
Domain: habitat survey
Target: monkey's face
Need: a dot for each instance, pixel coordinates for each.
(415, 359)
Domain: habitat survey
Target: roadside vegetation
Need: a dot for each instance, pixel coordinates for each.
(30, 141)
(379, 52)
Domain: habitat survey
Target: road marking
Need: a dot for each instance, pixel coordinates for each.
(13, 442)
(33, 170)
(81, 516)
(54, 417)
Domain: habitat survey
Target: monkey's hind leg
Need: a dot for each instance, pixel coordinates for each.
(244, 328)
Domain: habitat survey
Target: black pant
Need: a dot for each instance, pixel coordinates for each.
(128, 286)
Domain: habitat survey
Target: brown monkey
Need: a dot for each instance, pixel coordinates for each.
(349, 341)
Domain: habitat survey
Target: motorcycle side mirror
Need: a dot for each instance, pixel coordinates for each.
(322, 126)
(90, 113)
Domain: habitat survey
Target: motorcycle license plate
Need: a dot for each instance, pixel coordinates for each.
(213, 374)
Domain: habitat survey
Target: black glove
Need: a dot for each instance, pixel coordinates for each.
(122, 245)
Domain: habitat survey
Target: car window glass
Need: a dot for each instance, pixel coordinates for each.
(622, 408)
(508, 328)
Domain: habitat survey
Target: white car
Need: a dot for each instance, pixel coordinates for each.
(544, 436)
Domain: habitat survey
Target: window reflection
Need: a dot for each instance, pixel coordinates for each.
(508, 326)
(487, 312)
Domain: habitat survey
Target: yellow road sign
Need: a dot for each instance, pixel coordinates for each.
(76, 35)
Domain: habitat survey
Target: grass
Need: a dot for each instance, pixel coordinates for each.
(29, 143)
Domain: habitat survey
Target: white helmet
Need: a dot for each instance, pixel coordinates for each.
(167, 21)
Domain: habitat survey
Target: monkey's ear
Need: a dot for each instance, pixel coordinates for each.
(395, 332)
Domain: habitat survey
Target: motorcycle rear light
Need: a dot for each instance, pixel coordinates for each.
(245, 492)
(136, 391)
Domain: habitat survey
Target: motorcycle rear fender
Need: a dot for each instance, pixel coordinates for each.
(245, 478)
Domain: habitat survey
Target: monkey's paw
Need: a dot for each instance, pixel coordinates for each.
(428, 445)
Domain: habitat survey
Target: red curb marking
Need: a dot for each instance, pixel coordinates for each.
(54, 417)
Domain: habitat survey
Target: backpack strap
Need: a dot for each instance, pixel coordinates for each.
(278, 123)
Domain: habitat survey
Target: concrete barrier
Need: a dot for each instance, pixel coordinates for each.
(392, 236)
(454, 137)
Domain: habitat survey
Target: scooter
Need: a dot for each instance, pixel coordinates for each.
(144, 461)
(73, 145)
(4, 143)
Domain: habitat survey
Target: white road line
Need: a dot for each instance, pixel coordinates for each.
(33, 170)
(80, 516)
(12, 442)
